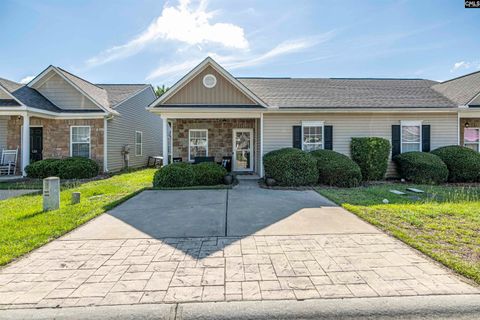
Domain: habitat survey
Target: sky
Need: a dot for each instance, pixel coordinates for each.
(158, 42)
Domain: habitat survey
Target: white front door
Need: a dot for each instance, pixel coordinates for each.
(242, 149)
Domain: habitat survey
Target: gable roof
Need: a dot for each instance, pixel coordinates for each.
(110, 95)
(461, 90)
(195, 71)
(347, 93)
(28, 96)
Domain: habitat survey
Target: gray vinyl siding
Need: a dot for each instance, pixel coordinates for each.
(3, 132)
(278, 128)
(64, 95)
(121, 131)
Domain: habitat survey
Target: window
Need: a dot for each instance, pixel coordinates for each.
(471, 138)
(197, 143)
(138, 143)
(312, 135)
(411, 136)
(80, 141)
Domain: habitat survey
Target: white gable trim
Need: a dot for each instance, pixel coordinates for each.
(38, 78)
(195, 71)
(11, 95)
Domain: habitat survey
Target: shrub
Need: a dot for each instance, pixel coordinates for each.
(208, 174)
(463, 163)
(69, 168)
(371, 155)
(336, 169)
(421, 167)
(77, 168)
(174, 175)
(291, 167)
(43, 168)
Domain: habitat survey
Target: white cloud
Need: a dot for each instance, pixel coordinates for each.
(179, 23)
(465, 65)
(240, 60)
(27, 79)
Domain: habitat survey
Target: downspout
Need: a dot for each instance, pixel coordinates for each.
(261, 145)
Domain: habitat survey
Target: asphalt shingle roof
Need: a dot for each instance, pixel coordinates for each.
(460, 90)
(107, 95)
(347, 93)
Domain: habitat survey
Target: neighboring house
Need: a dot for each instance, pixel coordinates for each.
(58, 115)
(212, 113)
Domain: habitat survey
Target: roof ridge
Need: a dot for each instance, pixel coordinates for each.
(334, 78)
(73, 75)
(122, 84)
(459, 77)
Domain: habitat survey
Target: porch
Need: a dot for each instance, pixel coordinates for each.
(237, 140)
(43, 138)
(470, 132)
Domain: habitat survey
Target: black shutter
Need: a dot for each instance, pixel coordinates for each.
(328, 130)
(297, 137)
(395, 140)
(426, 138)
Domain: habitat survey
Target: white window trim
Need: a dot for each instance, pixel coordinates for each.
(189, 146)
(473, 143)
(137, 143)
(410, 123)
(314, 124)
(89, 142)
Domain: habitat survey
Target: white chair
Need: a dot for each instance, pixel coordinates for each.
(8, 162)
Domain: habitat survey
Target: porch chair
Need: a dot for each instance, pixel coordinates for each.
(8, 161)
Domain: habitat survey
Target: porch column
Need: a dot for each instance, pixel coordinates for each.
(261, 145)
(25, 143)
(165, 140)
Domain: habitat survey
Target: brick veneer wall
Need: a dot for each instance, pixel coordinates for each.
(219, 135)
(472, 123)
(56, 136)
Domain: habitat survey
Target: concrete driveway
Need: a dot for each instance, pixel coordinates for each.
(217, 245)
(242, 211)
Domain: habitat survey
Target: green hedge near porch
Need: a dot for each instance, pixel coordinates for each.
(177, 175)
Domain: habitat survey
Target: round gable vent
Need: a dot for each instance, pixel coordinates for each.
(209, 81)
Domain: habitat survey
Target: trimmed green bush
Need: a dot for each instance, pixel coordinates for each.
(179, 174)
(69, 168)
(463, 163)
(43, 169)
(371, 155)
(336, 169)
(421, 167)
(208, 174)
(77, 168)
(291, 167)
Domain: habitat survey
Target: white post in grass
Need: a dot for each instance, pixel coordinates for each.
(165, 140)
(51, 193)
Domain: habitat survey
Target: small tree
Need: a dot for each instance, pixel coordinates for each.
(161, 90)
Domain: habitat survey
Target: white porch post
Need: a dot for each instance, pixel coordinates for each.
(25, 143)
(165, 140)
(261, 145)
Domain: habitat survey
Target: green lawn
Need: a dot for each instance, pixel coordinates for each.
(24, 227)
(444, 223)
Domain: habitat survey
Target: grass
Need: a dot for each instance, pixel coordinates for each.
(24, 226)
(443, 223)
(36, 184)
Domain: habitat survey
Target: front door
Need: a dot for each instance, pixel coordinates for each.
(242, 149)
(36, 144)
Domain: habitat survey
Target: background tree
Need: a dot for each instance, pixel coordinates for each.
(161, 90)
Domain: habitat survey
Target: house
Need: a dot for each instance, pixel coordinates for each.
(212, 113)
(58, 115)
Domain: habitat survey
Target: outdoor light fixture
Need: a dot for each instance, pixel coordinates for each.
(467, 124)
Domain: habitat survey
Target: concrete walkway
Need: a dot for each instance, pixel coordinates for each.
(5, 194)
(245, 244)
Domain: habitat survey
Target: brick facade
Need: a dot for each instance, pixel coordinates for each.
(219, 135)
(56, 136)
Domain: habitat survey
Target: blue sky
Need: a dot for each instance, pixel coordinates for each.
(152, 41)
